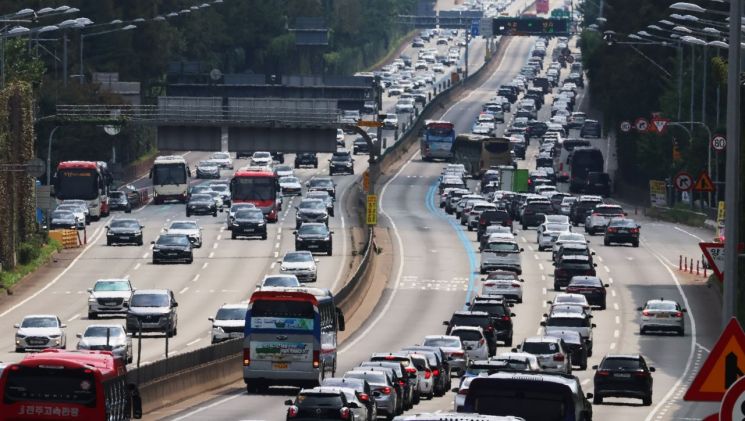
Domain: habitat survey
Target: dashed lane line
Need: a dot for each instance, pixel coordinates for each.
(196, 277)
(73, 317)
(183, 290)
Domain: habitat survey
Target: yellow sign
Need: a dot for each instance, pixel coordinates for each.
(657, 193)
(369, 123)
(372, 209)
(366, 181)
(720, 211)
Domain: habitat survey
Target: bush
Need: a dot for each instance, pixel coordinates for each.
(27, 252)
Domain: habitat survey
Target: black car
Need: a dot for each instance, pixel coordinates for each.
(323, 403)
(597, 183)
(278, 157)
(118, 200)
(360, 146)
(492, 217)
(590, 128)
(591, 287)
(569, 267)
(208, 169)
(311, 210)
(201, 204)
(172, 247)
(621, 230)
(322, 183)
(500, 314)
(534, 212)
(341, 162)
(581, 208)
(314, 237)
(575, 345)
(248, 223)
(481, 319)
(124, 231)
(626, 376)
(306, 159)
(61, 219)
(361, 388)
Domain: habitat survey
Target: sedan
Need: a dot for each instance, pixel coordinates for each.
(208, 169)
(235, 208)
(314, 237)
(661, 315)
(63, 219)
(223, 159)
(40, 331)
(283, 280)
(622, 231)
(453, 349)
(126, 231)
(283, 170)
(80, 218)
(248, 223)
(591, 287)
(301, 264)
(325, 196)
(549, 232)
(201, 204)
(107, 337)
(626, 376)
(504, 283)
(172, 247)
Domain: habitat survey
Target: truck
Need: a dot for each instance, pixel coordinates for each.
(512, 179)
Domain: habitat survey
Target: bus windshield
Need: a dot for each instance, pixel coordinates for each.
(77, 184)
(50, 385)
(169, 174)
(254, 188)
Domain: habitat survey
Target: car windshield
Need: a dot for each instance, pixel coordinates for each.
(608, 211)
(658, 305)
(538, 348)
(576, 265)
(372, 377)
(493, 309)
(571, 237)
(557, 227)
(149, 300)
(306, 229)
(340, 157)
(466, 335)
(124, 224)
(40, 322)
(261, 155)
(219, 187)
(502, 276)
(201, 198)
(103, 331)
(220, 155)
(621, 364)
(323, 184)
(503, 247)
(250, 214)
(567, 321)
(280, 281)
(624, 223)
(116, 195)
(184, 226)
(111, 286)
(172, 240)
(312, 204)
(298, 257)
(231, 313)
(571, 299)
(332, 400)
(288, 180)
(207, 164)
(443, 342)
(236, 208)
(62, 214)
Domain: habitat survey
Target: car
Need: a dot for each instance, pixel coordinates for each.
(340, 137)
(516, 361)
(306, 159)
(325, 196)
(281, 280)
(401, 386)
(598, 218)
(63, 219)
(322, 183)
(549, 232)
(80, 216)
(172, 247)
(283, 170)
(475, 317)
(234, 208)
(501, 254)
(582, 207)
(403, 364)
(426, 380)
(662, 315)
(597, 183)
(565, 298)
(207, 168)
(223, 159)
(40, 331)
(118, 200)
(290, 186)
(405, 105)
(201, 204)
(391, 120)
(567, 238)
(472, 221)
(360, 146)
(493, 232)
(626, 376)
(217, 198)
(327, 403)
(387, 401)
(566, 205)
(473, 340)
(453, 350)
(224, 191)
(311, 210)
(591, 287)
(550, 351)
(438, 364)
(533, 213)
(107, 337)
(622, 231)
(153, 310)
(504, 283)
(301, 264)
(248, 223)
(341, 162)
(315, 237)
(575, 345)
(188, 228)
(500, 318)
(261, 159)
(109, 296)
(577, 322)
(124, 231)
(361, 388)
(229, 322)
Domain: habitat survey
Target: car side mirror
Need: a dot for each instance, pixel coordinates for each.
(142, 227)
(513, 315)
(62, 326)
(592, 253)
(684, 310)
(594, 265)
(639, 309)
(543, 324)
(152, 242)
(594, 325)
(125, 305)
(549, 302)
(288, 402)
(294, 232)
(331, 232)
(107, 227)
(625, 214)
(514, 349)
(652, 369)
(79, 335)
(589, 395)
(606, 285)
(594, 367)
(90, 290)
(175, 305)
(545, 315)
(212, 319)
(522, 280)
(522, 249)
(445, 323)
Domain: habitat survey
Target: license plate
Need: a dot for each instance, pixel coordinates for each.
(623, 231)
(312, 246)
(662, 316)
(109, 303)
(280, 366)
(622, 375)
(236, 335)
(503, 286)
(125, 237)
(36, 342)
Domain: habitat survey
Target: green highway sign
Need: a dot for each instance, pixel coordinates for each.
(530, 26)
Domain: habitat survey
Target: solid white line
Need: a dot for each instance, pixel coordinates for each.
(340, 273)
(183, 290)
(193, 342)
(73, 317)
(137, 266)
(691, 234)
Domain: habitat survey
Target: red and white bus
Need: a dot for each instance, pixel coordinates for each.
(258, 186)
(68, 385)
(541, 6)
(84, 180)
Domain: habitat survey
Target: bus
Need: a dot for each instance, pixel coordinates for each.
(170, 176)
(582, 161)
(437, 140)
(83, 180)
(56, 384)
(260, 186)
(478, 153)
(290, 337)
(541, 7)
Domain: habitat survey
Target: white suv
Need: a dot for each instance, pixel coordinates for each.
(600, 216)
(550, 353)
(473, 340)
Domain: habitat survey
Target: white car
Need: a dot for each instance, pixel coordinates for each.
(504, 283)
(284, 170)
(290, 186)
(189, 228)
(485, 129)
(110, 337)
(340, 136)
(558, 219)
(302, 264)
(438, 68)
(569, 237)
(390, 121)
(395, 90)
(660, 315)
(473, 340)
(518, 361)
(281, 280)
(550, 352)
(109, 296)
(549, 232)
(453, 349)
(600, 216)
(460, 397)
(229, 322)
(261, 159)
(405, 105)
(545, 189)
(224, 190)
(235, 208)
(223, 159)
(571, 299)
(40, 331)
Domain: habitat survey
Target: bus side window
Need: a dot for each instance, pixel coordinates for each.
(188, 172)
(136, 401)
(340, 319)
(151, 173)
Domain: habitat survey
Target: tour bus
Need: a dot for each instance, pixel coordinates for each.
(437, 140)
(56, 384)
(83, 180)
(479, 153)
(257, 185)
(290, 337)
(170, 175)
(583, 161)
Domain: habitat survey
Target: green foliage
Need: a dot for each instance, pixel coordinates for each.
(22, 62)
(8, 278)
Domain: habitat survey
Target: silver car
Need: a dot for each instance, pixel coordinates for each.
(568, 237)
(501, 254)
(189, 228)
(550, 353)
(453, 349)
(660, 315)
(302, 264)
(109, 296)
(549, 232)
(580, 323)
(384, 392)
(40, 331)
(229, 322)
(107, 337)
(78, 211)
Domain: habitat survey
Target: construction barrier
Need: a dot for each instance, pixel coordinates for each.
(69, 239)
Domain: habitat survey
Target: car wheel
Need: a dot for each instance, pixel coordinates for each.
(508, 342)
(233, 236)
(557, 287)
(483, 271)
(140, 242)
(108, 242)
(606, 242)
(297, 166)
(331, 212)
(681, 332)
(188, 214)
(190, 259)
(647, 400)
(470, 228)
(155, 262)
(128, 210)
(130, 359)
(263, 236)
(636, 244)
(214, 213)
(583, 365)
(642, 331)
(20, 349)
(597, 400)
(92, 315)
(329, 252)
(315, 165)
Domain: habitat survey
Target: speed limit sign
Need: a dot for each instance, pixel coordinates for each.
(718, 143)
(733, 403)
(625, 126)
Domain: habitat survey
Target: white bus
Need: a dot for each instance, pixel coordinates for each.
(170, 176)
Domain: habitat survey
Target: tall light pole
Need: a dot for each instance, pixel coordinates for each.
(84, 36)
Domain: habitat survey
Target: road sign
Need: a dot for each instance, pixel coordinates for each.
(35, 167)
(722, 367)
(366, 181)
(720, 211)
(530, 26)
(475, 27)
(659, 125)
(658, 193)
(714, 253)
(641, 125)
(369, 123)
(625, 126)
(372, 209)
(733, 404)
(718, 143)
(683, 181)
(703, 183)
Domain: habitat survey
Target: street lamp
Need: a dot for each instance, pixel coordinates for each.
(690, 7)
(84, 36)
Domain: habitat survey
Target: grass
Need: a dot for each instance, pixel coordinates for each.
(391, 52)
(678, 214)
(10, 278)
(148, 155)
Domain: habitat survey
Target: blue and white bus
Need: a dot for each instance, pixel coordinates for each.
(290, 337)
(437, 140)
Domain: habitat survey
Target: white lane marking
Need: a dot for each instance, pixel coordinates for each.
(276, 246)
(615, 306)
(585, 381)
(600, 258)
(193, 342)
(703, 347)
(204, 266)
(540, 266)
(689, 233)
(144, 256)
(613, 292)
(530, 248)
(276, 254)
(183, 290)
(616, 333)
(340, 273)
(219, 237)
(214, 246)
(279, 230)
(212, 253)
(538, 332)
(279, 237)
(95, 237)
(545, 291)
(126, 276)
(523, 239)
(137, 266)
(543, 277)
(73, 317)
(273, 265)
(195, 277)
(613, 345)
(607, 269)
(536, 256)
(610, 281)
(618, 320)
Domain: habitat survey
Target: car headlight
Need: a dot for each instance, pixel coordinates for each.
(217, 329)
(283, 268)
(91, 299)
(327, 238)
(261, 224)
(20, 335)
(54, 336)
(299, 239)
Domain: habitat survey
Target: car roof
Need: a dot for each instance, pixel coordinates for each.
(472, 328)
(566, 315)
(661, 300)
(541, 339)
(575, 257)
(470, 313)
(152, 291)
(34, 316)
(232, 306)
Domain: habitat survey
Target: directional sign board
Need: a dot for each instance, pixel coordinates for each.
(641, 125)
(714, 253)
(475, 27)
(372, 209)
(703, 183)
(625, 126)
(530, 26)
(369, 123)
(683, 181)
(718, 143)
(659, 125)
(722, 368)
(733, 404)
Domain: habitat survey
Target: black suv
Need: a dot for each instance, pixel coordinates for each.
(153, 310)
(492, 217)
(118, 200)
(311, 210)
(306, 159)
(597, 183)
(248, 223)
(570, 266)
(500, 314)
(475, 318)
(575, 345)
(172, 247)
(534, 212)
(535, 129)
(201, 204)
(621, 230)
(581, 208)
(314, 237)
(360, 146)
(127, 231)
(341, 162)
(626, 376)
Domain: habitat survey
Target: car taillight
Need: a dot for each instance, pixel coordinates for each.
(558, 357)
(411, 370)
(506, 318)
(514, 285)
(463, 391)
(456, 354)
(641, 374)
(611, 229)
(489, 283)
(679, 314)
(634, 230)
(345, 413)
(481, 341)
(363, 397)
(390, 357)
(385, 390)
(646, 313)
(427, 374)
(602, 373)
(401, 382)
(436, 372)
(316, 359)
(594, 214)
(489, 328)
(246, 357)
(292, 411)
